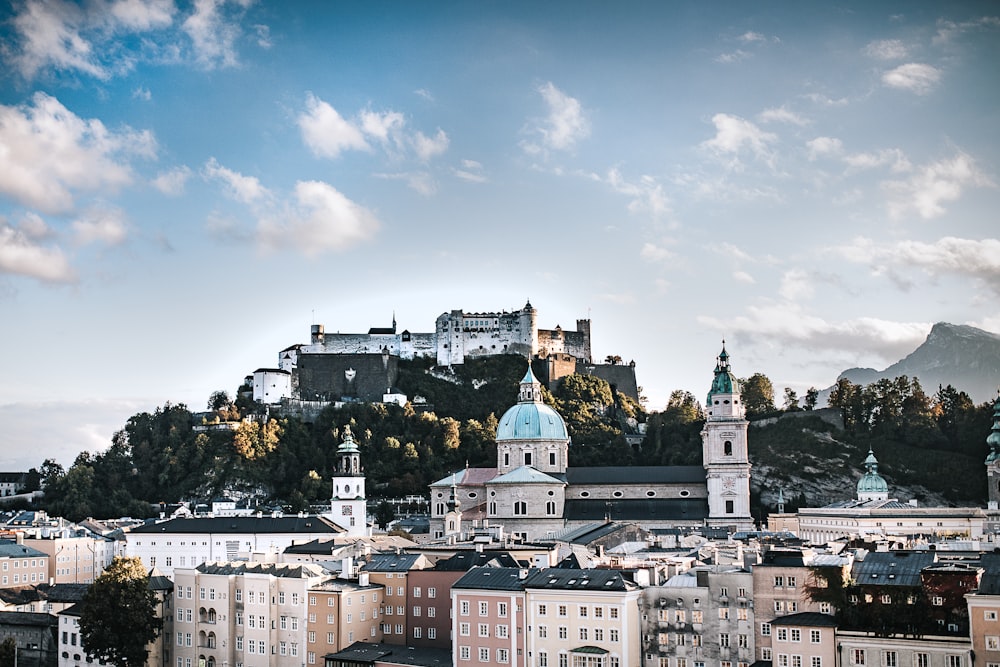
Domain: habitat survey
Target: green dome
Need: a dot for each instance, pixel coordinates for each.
(348, 446)
(993, 439)
(871, 481)
(530, 418)
(724, 382)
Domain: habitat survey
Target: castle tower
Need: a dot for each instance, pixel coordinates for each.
(725, 452)
(872, 486)
(531, 433)
(529, 329)
(993, 458)
(348, 505)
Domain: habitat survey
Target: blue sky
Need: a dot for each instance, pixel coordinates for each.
(186, 187)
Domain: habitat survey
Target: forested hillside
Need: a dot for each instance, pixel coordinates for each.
(928, 446)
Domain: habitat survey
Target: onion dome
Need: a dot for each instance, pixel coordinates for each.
(993, 439)
(724, 382)
(348, 446)
(872, 483)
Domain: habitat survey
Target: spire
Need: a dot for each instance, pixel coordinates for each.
(993, 439)
(781, 501)
(872, 486)
(724, 382)
(531, 388)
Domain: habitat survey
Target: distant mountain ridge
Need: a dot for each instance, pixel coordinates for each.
(957, 354)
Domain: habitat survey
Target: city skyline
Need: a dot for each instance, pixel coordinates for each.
(186, 187)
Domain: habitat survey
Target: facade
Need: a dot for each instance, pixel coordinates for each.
(252, 614)
(35, 635)
(189, 542)
(984, 613)
(342, 612)
(73, 558)
(21, 565)
(488, 622)
(391, 571)
(701, 616)
(535, 493)
(807, 639)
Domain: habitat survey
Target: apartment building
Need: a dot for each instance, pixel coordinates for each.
(21, 565)
(488, 624)
(341, 612)
(391, 571)
(804, 639)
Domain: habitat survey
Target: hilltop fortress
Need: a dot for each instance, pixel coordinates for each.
(363, 366)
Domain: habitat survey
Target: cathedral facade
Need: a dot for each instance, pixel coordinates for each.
(535, 493)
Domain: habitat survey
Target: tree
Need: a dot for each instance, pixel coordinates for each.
(613, 359)
(385, 513)
(758, 394)
(791, 400)
(682, 408)
(8, 652)
(118, 614)
(219, 400)
(812, 397)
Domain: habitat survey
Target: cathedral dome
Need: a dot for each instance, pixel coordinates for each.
(530, 418)
(871, 483)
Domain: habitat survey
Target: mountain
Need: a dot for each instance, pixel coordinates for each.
(965, 357)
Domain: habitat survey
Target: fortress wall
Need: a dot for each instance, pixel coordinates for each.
(322, 376)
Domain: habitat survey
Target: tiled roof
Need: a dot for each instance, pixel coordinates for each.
(891, 568)
(240, 524)
(574, 580)
(809, 618)
(464, 561)
(525, 475)
(390, 563)
(291, 571)
(492, 578)
(636, 509)
(366, 652)
(632, 475)
(14, 550)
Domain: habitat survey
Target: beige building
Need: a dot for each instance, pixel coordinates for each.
(341, 612)
(21, 565)
(253, 614)
(864, 649)
(74, 559)
(390, 571)
(806, 639)
(984, 613)
(488, 619)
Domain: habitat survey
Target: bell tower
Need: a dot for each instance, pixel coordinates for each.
(347, 506)
(993, 458)
(725, 453)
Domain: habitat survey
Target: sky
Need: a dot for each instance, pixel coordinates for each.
(186, 187)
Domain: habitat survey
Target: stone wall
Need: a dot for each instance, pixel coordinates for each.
(325, 376)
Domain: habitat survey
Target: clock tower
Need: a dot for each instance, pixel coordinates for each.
(347, 506)
(724, 451)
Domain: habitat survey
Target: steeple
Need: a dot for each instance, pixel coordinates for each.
(724, 385)
(348, 508)
(993, 458)
(531, 388)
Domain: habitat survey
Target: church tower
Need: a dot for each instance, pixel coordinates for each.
(348, 505)
(993, 458)
(724, 451)
(872, 486)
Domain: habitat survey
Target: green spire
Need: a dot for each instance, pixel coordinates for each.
(724, 382)
(993, 439)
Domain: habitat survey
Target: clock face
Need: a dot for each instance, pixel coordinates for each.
(346, 510)
(729, 484)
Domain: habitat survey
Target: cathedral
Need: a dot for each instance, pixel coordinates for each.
(535, 493)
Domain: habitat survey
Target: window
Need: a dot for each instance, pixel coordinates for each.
(520, 508)
(954, 661)
(791, 582)
(765, 653)
(890, 659)
(937, 601)
(796, 634)
(432, 633)
(582, 612)
(484, 629)
(697, 616)
(416, 632)
(583, 634)
(484, 654)
(562, 610)
(501, 631)
(724, 640)
(815, 636)
(989, 615)
(730, 507)
(432, 592)
(779, 581)
(613, 634)
(613, 612)
(858, 656)
(463, 652)
(779, 606)
(782, 634)
(502, 609)
(992, 643)
(503, 655)
(484, 608)
(563, 632)
(921, 660)
(543, 659)
(816, 661)
(463, 608)
(543, 632)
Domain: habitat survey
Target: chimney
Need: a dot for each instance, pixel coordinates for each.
(20, 537)
(363, 579)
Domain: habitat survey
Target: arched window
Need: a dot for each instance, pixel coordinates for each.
(727, 448)
(550, 508)
(520, 508)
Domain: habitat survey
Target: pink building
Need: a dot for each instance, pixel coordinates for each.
(488, 617)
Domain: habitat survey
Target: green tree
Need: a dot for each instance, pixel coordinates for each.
(682, 408)
(758, 394)
(812, 397)
(791, 400)
(385, 513)
(118, 614)
(8, 652)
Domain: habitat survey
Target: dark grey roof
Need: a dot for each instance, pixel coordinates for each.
(492, 578)
(891, 568)
(241, 524)
(67, 592)
(989, 584)
(366, 653)
(14, 550)
(290, 570)
(464, 561)
(636, 475)
(812, 618)
(636, 509)
(28, 618)
(578, 580)
(391, 563)
(325, 547)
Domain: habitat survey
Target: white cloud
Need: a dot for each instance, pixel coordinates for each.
(646, 196)
(654, 253)
(886, 49)
(471, 171)
(743, 277)
(263, 33)
(733, 134)
(104, 225)
(751, 36)
(565, 125)
(418, 181)
(786, 324)
(781, 115)
(143, 94)
(732, 57)
(932, 185)
(979, 259)
(213, 34)
(424, 93)
(429, 147)
(795, 285)
(949, 30)
(325, 131)
(49, 152)
(320, 219)
(383, 126)
(21, 255)
(887, 156)
(826, 101)
(34, 227)
(172, 182)
(824, 146)
(246, 189)
(915, 77)
(68, 36)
